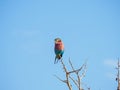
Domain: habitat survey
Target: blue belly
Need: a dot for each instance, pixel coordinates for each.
(60, 52)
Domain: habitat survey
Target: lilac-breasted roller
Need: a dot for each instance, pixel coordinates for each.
(59, 49)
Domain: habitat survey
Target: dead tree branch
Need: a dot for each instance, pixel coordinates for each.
(69, 78)
(60, 79)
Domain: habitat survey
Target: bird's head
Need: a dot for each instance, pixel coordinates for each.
(57, 40)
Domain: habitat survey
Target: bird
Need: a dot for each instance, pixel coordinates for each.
(58, 49)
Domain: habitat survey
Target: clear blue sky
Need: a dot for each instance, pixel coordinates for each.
(90, 29)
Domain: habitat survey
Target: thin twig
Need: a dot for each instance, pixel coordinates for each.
(73, 71)
(74, 81)
(63, 66)
(60, 79)
(71, 65)
(83, 74)
(67, 76)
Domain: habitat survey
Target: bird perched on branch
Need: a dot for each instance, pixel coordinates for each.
(59, 49)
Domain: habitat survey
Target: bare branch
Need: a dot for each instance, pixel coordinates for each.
(67, 76)
(60, 79)
(76, 71)
(71, 65)
(78, 81)
(74, 81)
(85, 69)
(63, 66)
(73, 71)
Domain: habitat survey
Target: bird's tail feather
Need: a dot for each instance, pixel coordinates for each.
(57, 58)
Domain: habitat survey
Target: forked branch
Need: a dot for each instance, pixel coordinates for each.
(69, 78)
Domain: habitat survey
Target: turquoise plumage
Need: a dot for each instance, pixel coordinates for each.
(59, 49)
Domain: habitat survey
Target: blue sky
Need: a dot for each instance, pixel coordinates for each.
(90, 29)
